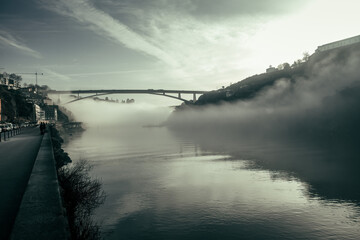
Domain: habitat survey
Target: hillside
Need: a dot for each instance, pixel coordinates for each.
(14, 105)
(317, 99)
(250, 87)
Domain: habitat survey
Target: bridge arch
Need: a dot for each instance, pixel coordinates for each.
(159, 92)
(103, 94)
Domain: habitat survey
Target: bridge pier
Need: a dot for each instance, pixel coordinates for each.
(179, 95)
(194, 97)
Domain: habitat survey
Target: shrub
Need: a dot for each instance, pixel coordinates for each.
(82, 195)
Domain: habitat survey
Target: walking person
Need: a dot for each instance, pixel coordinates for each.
(42, 128)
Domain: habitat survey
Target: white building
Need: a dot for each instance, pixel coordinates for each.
(47, 101)
(39, 114)
(10, 82)
(341, 43)
(271, 69)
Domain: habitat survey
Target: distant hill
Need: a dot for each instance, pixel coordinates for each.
(250, 87)
(317, 98)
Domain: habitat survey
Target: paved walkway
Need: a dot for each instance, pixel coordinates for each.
(41, 215)
(17, 156)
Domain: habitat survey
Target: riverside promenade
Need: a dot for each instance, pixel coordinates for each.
(30, 204)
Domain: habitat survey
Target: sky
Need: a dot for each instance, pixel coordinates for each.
(167, 44)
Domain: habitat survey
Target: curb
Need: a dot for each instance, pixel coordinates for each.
(41, 215)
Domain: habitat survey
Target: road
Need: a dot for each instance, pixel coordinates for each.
(17, 156)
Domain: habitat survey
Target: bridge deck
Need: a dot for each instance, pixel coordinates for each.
(160, 92)
(149, 91)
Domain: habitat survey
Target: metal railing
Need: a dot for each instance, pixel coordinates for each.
(5, 135)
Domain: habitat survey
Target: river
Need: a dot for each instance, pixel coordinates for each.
(167, 184)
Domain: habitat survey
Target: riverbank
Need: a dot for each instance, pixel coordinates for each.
(80, 193)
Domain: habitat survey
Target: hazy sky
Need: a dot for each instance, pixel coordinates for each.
(169, 44)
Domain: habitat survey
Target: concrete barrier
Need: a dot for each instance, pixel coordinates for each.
(41, 215)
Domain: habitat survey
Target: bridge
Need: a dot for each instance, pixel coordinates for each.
(176, 94)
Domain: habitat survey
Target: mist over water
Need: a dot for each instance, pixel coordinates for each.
(160, 186)
(283, 165)
(306, 127)
(106, 115)
(324, 100)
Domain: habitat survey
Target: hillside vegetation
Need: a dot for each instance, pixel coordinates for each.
(14, 105)
(319, 97)
(252, 86)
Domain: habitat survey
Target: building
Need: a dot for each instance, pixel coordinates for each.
(337, 44)
(46, 113)
(271, 69)
(12, 81)
(37, 113)
(31, 96)
(229, 93)
(2, 118)
(51, 113)
(47, 101)
(42, 115)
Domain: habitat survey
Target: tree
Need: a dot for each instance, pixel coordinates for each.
(284, 66)
(306, 56)
(15, 77)
(296, 63)
(45, 87)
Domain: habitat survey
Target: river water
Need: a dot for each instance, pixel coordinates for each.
(161, 185)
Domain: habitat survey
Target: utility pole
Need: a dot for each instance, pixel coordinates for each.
(36, 74)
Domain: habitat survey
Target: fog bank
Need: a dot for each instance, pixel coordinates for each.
(324, 101)
(305, 127)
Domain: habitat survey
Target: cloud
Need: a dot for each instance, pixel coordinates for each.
(182, 34)
(210, 9)
(55, 76)
(8, 40)
(109, 73)
(103, 24)
(208, 40)
(202, 50)
(228, 8)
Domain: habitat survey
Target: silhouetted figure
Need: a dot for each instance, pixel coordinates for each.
(42, 128)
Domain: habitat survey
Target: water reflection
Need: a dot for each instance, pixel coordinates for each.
(165, 187)
(330, 167)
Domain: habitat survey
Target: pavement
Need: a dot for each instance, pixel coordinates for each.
(17, 157)
(41, 215)
(30, 202)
